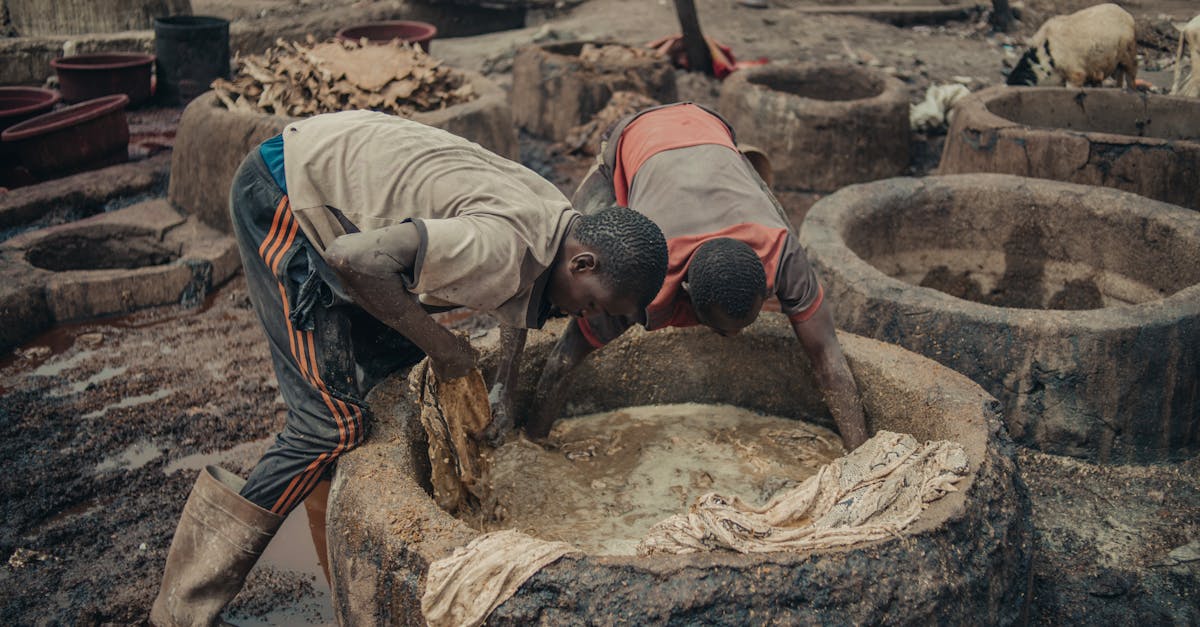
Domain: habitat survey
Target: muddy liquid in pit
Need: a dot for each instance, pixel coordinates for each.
(605, 479)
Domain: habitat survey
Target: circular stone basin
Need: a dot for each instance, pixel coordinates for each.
(554, 89)
(822, 125)
(409, 32)
(87, 76)
(965, 559)
(1077, 306)
(104, 248)
(1143, 143)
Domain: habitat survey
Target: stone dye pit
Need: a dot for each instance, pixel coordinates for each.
(1078, 307)
(965, 559)
(556, 87)
(822, 125)
(1144, 143)
(144, 255)
(607, 478)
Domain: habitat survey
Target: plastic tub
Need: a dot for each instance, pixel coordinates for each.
(81, 137)
(18, 104)
(420, 33)
(87, 76)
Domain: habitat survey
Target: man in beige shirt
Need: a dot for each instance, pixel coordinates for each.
(350, 226)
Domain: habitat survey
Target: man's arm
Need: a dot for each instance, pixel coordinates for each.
(837, 385)
(512, 345)
(549, 400)
(372, 267)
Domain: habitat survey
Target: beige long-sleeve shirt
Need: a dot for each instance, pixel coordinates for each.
(489, 227)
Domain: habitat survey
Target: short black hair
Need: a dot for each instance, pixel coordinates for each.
(632, 251)
(726, 273)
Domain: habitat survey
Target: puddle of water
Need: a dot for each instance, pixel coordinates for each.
(105, 374)
(55, 368)
(133, 457)
(249, 451)
(130, 401)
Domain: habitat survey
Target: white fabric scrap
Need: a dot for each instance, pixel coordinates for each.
(934, 111)
(465, 587)
(873, 493)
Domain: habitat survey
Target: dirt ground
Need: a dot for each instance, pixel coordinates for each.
(103, 425)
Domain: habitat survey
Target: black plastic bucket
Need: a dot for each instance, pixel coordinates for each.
(192, 50)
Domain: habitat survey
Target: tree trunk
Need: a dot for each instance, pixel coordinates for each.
(698, 57)
(1002, 16)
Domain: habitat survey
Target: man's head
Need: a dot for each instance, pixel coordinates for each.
(727, 285)
(612, 262)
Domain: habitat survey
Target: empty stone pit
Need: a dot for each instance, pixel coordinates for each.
(112, 263)
(212, 141)
(1077, 306)
(822, 125)
(966, 558)
(1143, 143)
(558, 86)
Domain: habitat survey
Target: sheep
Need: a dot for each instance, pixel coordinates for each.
(1080, 49)
(1188, 36)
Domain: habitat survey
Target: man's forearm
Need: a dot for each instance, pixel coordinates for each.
(549, 399)
(371, 267)
(833, 375)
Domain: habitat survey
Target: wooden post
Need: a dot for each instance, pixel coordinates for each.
(1002, 16)
(698, 57)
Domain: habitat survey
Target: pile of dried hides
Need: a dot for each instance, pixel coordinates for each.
(300, 79)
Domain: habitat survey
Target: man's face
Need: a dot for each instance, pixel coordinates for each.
(586, 293)
(723, 324)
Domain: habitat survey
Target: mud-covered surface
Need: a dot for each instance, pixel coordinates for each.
(1116, 544)
(603, 480)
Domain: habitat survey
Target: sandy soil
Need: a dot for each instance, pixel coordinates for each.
(103, 425)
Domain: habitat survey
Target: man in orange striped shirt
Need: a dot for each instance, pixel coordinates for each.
(350, 226)
(730, 248)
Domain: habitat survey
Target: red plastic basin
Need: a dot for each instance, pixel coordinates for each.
(87, 76)
(81, 137)
(18, 104)
(420, 33)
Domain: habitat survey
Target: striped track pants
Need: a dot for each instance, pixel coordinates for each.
(314, 354)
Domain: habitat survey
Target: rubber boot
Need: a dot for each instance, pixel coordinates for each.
(219, 538)
(315, 506)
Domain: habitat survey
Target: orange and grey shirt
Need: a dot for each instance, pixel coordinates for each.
(679, 165)
(489, 228)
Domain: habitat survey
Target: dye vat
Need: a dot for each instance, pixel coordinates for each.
(965, 559)
(212, 141)
(822, 125)
(1143, 143)
(603, 480)
(1078, 307)
(559, 86)
(141, 256)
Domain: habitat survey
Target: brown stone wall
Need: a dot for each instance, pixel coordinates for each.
(553, 91)
(1051, 144)
(822, 126)
(37, 18)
